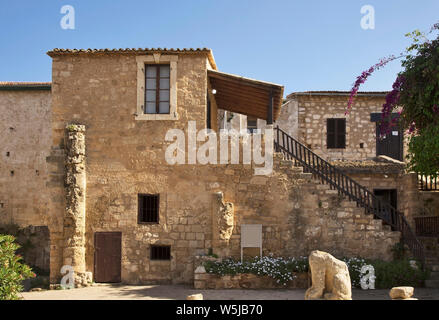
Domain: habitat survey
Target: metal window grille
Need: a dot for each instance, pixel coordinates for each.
(160, 252)
(149, 208)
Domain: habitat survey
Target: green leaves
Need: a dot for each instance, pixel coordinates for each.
(423, 153)
(12, 271)
(419, 98)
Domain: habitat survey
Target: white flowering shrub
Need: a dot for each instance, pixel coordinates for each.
(278, 268)
(388, 273)
(354, 266)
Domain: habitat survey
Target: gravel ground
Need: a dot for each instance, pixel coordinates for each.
(179, 292)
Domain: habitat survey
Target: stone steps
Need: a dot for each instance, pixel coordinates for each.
(347, 210)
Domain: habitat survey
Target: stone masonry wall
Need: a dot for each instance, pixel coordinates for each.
(125, 157)
(25, 141)
(312, 112)
(404, 183)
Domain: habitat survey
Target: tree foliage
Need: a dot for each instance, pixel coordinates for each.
(415, 99)
(12, 270)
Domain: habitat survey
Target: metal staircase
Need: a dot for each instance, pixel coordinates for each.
(336, 179)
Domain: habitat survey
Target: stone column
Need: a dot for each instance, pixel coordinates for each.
(74, 217)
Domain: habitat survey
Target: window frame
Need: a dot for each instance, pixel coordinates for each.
(157, 89)
(158, 59)
(336, 133)
(140, 206)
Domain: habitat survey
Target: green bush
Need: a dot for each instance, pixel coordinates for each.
(354, 266)
(12, 271)
(398, 273)
(388, 273)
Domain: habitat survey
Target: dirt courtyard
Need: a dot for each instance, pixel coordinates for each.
(180, 292)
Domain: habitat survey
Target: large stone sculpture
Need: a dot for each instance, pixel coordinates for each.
(330, 278)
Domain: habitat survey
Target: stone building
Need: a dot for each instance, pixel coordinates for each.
(90, 151)
(351, 141)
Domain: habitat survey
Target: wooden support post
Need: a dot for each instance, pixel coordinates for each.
(270, 108)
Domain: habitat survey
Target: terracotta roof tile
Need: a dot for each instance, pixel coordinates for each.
(58, 51)
(337, 93)
(380, 164)
(14, 85)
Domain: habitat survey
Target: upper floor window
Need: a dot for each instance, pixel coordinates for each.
(157, 88)
(335, 133)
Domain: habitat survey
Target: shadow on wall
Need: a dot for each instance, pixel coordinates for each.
(35, 246)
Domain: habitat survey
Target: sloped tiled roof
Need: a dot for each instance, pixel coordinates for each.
(14, 85)
(57, 51)
(379, 164)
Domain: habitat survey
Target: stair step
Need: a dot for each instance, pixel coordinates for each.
(348, 204)
(432, 283)
(297, 169)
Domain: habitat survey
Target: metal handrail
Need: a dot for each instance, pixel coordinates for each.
(336, 179)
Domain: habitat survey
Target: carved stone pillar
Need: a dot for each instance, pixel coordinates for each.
(74, 217)
(222, 224)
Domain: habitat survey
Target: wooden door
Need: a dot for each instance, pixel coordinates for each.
(388, 196)
(391, 145)
(108, 253)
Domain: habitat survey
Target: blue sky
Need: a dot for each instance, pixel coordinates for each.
(303, 45)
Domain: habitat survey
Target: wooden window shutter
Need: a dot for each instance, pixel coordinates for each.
(335, 133)
(330, 133)
(341, 133)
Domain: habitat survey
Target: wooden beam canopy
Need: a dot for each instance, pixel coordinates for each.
(250, 97)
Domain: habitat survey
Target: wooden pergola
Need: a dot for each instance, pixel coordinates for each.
(250, 97)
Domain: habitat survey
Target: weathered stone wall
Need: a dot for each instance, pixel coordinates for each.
(429, 203)
(247, 281)
(312, 112)
(34, 244)
(25, 141)
(125, 157)
(405, 184)
(289, 118)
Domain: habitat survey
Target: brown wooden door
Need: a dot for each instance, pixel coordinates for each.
(108, 256)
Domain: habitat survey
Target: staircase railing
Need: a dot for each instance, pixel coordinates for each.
(336, 179)
(427, 226)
